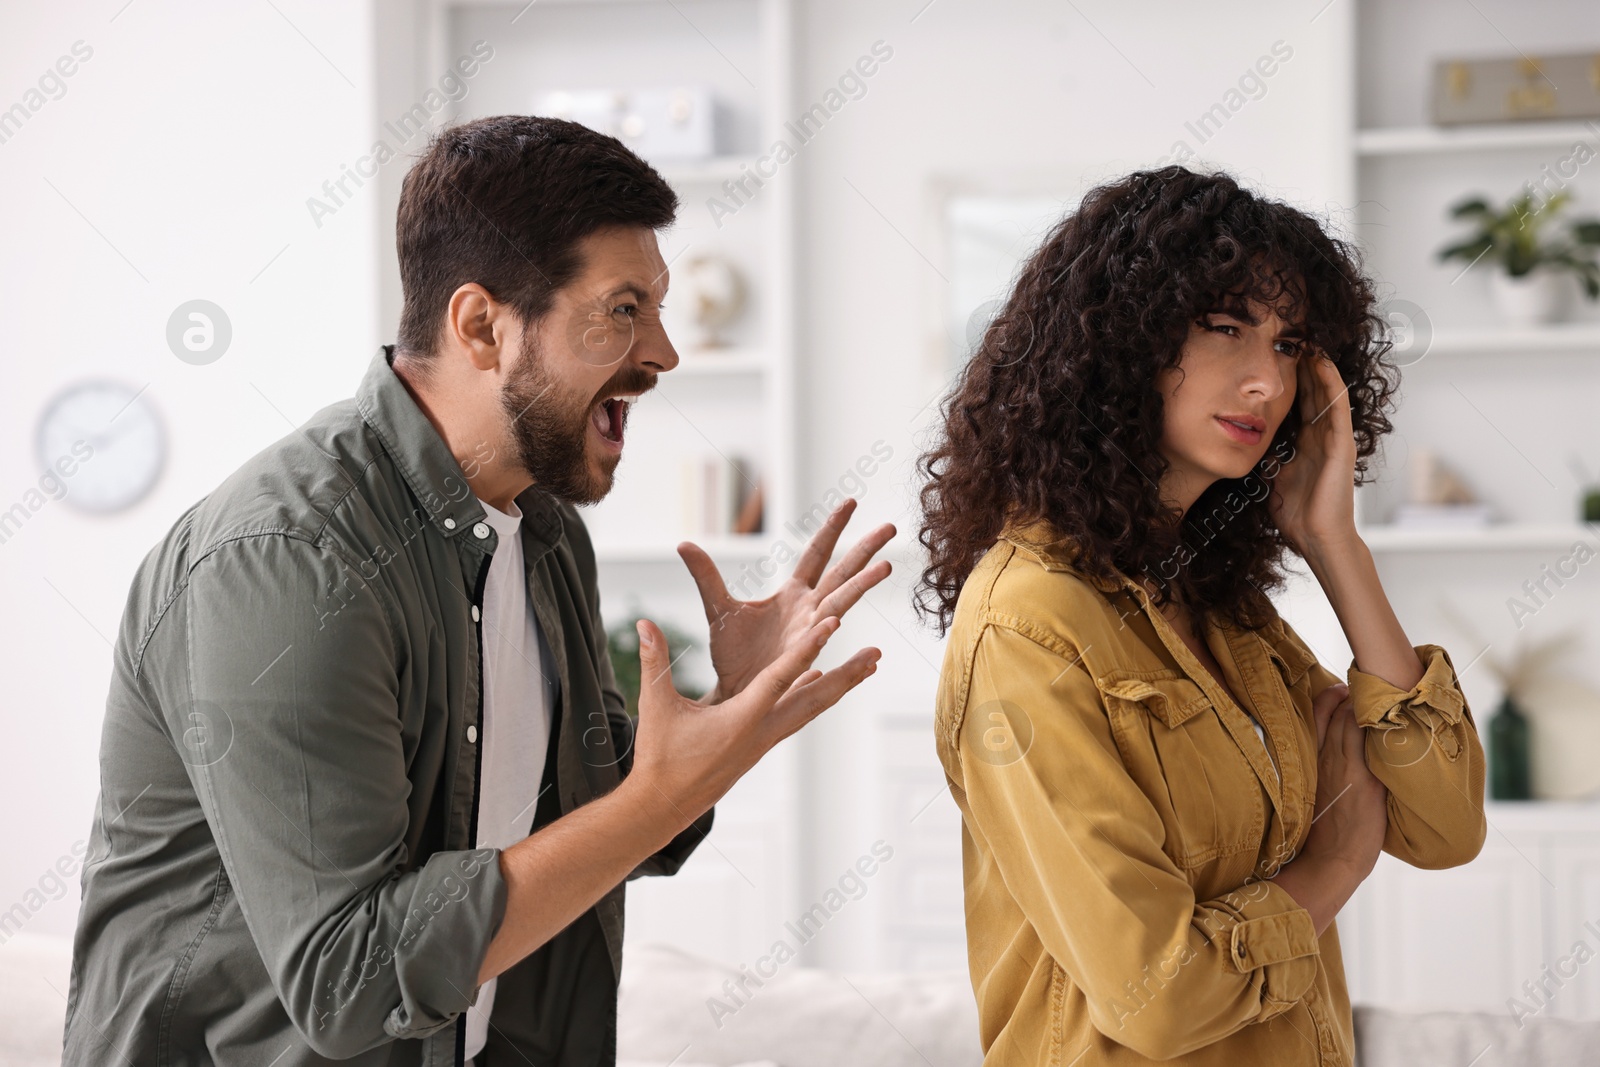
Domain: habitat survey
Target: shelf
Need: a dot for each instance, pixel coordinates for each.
(1421, 140)
(1530, 340)
(1563, 816)
(731, 548)
(1496, 537)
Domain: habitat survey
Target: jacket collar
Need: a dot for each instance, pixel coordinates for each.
(1057, 552)
(428, 465)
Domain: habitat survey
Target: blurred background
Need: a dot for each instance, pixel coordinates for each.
(199, 211)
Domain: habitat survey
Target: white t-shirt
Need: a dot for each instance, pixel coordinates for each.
(516, 717)
(1261, 734)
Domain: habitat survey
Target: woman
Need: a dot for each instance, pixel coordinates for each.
(1165, 797)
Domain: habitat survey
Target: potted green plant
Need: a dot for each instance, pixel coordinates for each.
(1533, 261)
(622, 645)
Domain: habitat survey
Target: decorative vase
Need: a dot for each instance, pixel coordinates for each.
(1530, 299)
(1508, 754)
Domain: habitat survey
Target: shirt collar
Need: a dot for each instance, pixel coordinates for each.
(425, 461)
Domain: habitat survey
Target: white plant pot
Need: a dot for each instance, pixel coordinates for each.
(1534, 298)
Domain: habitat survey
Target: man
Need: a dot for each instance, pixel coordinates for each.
(368, 793)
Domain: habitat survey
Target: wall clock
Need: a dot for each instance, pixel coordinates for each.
(109, 437)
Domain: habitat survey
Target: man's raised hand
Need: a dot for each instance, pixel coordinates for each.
(692, 754)
(749, 635)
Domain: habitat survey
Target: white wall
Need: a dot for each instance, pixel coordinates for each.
(176, 166)
(194, 135)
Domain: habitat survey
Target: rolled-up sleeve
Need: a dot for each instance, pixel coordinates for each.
(1079, 846)
(288, 719)
(1423, 745)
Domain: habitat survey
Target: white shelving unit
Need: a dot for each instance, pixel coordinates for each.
(1419, 140)
(713, 171)
(1581, 338)
(725, 550)
(1506, 408)
(1496, 537)
(734, 894)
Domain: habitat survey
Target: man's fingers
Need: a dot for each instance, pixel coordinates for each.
(804, 703)
(844, 598)
(804, 680)
(795, 660)
(655, 666)
(713, 592)
(820, 548)
(858, 556)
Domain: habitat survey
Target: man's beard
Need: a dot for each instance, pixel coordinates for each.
(550, 428)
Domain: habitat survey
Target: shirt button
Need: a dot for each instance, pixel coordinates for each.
(480, 531)
(472, 735)
(476, 614)
(449, 524)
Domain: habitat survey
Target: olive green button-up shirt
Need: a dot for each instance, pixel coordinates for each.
(1122, 820)
(281, 866)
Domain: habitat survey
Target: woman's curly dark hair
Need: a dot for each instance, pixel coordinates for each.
(1057, 415)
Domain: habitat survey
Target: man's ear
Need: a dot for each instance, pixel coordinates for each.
(477, 323)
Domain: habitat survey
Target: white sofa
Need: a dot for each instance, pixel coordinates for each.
(674, 1008)
(813, 1018)
(34, 972)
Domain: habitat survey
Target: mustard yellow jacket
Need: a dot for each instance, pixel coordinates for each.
(1122, 819)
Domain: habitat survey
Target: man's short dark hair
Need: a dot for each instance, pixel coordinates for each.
(503, 202)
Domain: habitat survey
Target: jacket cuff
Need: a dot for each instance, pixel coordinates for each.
(1276, 937)
(1434, 699)
(1275, 929)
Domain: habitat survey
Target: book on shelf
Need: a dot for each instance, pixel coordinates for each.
(721, 497)
(1443, 516)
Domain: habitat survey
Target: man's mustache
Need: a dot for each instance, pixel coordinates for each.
(631, 380)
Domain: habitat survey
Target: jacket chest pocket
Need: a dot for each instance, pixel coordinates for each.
(1181, 756)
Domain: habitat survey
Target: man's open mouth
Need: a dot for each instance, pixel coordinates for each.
(610, 416)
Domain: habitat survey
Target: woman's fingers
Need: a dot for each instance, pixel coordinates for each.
(1333, 401)
(1323, 706)
(1308, 388)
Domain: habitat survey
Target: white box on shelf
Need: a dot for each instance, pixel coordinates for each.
(672, 124)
